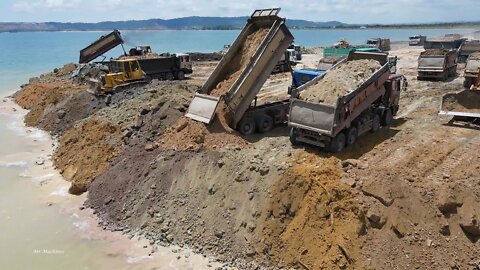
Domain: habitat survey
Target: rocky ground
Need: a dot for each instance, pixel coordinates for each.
(407, 197)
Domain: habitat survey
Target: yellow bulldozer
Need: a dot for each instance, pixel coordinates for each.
(122, 73)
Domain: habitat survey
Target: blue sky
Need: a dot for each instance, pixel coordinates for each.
(349, 11)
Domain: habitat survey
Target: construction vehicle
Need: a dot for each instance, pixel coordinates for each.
(437, 64)
(467, 48)
(448, 42)
(472, 70)
(333, 127)
(463, 106)
(382, 44)
(140, 51)
(101, 46)
(298, 51)
(125, 72)
(240, 113)
(285, 63)
(417, 40)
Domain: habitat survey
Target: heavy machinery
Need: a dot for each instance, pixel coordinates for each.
(363, 109)
(128, 71)
(448, 42)
(382, 44)
(285, 63)
(240, 110)
(437, 64)
(467, 48)
(472, 71)
(417, 40)
(463, 106)
(298, 51)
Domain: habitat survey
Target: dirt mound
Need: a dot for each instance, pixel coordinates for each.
(313, 220)
(193, 135)
(434, 52)
(240, 61)
(32, 93)
(340, 81)
(202, 57)
(49, 98)
(84, 72)
(85, 151)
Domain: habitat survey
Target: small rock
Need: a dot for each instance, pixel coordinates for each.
(250, 252)
(61, 114)
(264, 170)
(349, 162)
(40, 161)
(429, 242)
(108, 200)
(144, 111)
(150, 147)
(445, 229)
(219, 234)
(220, 163)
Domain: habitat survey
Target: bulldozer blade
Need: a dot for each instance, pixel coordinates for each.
(464, 104)
(203, 107)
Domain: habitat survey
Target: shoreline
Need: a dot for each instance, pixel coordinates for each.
(52, 191)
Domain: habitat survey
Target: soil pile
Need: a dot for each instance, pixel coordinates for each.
(33, 93)
(85, 151)
(203, 57)
(340, 81)
(240, 61)
(434, 52)
(313, 220)
(188, 134)
(474, 56)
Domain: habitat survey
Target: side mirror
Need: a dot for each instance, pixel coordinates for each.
(405, 85)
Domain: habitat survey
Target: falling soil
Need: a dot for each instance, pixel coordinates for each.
(312, 219)
(466, 101)
(340, 81)
(193, 135)
(85, 151)
(240, 61)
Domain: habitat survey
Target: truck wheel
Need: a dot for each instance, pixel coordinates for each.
(181, 75)
(467, 83)
(337, 144)
(293, 137)
(169, 76)
(352, 134)
(375, 123)
(387, 118)
(246, 126)
(264, 123)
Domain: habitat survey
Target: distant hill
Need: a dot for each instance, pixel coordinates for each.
(186, 23)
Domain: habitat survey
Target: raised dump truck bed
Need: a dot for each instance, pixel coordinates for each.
(100, 46)
(333, 126)
(249, 79)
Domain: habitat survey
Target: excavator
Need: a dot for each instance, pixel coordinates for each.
(465, 105)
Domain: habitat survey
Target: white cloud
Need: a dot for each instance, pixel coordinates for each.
(25, 6)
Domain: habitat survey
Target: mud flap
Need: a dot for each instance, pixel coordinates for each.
(203, 107)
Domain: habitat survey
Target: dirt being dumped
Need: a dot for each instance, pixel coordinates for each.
(313, 220)
(85, 151)
(340, 81)
(240, 61)
(188, 134)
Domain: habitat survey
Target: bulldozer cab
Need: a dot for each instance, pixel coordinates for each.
(122, 71)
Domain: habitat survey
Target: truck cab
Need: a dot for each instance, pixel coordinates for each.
(185, 64)
(381, 43)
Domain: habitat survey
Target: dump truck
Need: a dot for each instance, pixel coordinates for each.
(99, 47)
(128, 71)
(417, 40)
(437, 64)
(467, 48)
(298, 51)
(285, 63)
(365, 108)
(472, 71)
(241, 86)
(302, 76)
(382, 44)
(448, 42)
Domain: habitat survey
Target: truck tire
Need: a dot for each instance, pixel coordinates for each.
(264, 123)
(387, 118)
(169, 76)
(293, 137)
(467, 83)
(246, 126)
(180, 75)
(375, 123)
(352, 134)
(337, 144)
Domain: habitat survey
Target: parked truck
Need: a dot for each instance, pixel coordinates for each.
(286, 62)
(437, 64)
(467, 48)
(417, 40)
(382, 44)
(333, 127)
(448, 42)
(472, 70)
(241, 109)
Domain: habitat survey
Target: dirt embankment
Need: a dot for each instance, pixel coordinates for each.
(340, 81)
